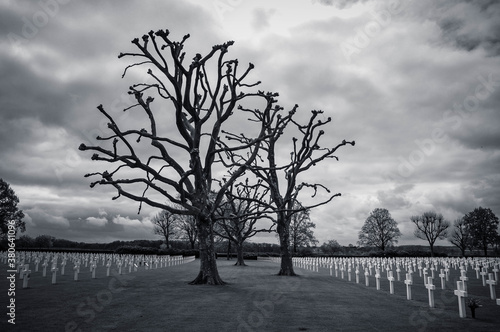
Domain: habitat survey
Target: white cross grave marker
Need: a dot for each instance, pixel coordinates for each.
(45, 263)
(391, 282)
(483, 274)
(492, 282)
(377, 278)
(408, 283)
(464, 279)
(430, 286)
(54, 270)
(461, 293)
(26, 275)
(76, 270)
(442, 275)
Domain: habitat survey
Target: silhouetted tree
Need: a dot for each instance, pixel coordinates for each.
(239, 214)
(186, 229)
(9, 212)
(285, 181)
(459, 235)
(483, 227)
(331, 247)
(164, 223)
(187, 136)
(379, 230)
(301, 230)
(430, 226)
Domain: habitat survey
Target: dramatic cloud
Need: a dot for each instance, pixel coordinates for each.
(415, 83)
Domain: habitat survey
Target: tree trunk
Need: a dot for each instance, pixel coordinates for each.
(286, 258)
(239, 252)
(432, 249)
(208, 264)
(228, 249)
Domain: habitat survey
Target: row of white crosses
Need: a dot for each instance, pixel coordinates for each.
(87, 260)
(428, 269)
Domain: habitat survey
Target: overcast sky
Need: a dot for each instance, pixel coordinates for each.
(415, 83)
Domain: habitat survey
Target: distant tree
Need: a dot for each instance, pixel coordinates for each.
(186, 229)
(483, 227)
(379, 230)
(239, 215)
(9, 212)
(44, 241)
(331, 247)
(430, 226)
(301, 230)
(164, 223)
(459, 235)
(25, 241)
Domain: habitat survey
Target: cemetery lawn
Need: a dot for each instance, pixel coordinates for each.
(255, 299)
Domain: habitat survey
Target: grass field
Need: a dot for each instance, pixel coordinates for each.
(255, 299)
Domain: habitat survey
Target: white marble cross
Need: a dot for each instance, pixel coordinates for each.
(93, 267)
(483, 274)
(464, 279)
(377, 278)
(45, 264)
(408, 283)
(54, 270)
(391, 282)
(461, 293)
(492, 282)
(76, 270)
(26, 275)
(442, 275)
(108, 267)
(367, 280)
(430, 287)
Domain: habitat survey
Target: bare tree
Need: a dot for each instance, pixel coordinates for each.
(379, 230)
(178, 164)
(284, 181)
(301, 229)
(459, 235)
(163, 225)
(240, 213)
(430, 226)
(185, 229)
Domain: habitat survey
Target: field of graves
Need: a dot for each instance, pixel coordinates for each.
(98, 292)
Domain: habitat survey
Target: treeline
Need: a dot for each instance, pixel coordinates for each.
(251, 249)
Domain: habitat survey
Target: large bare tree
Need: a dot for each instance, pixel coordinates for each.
(430, 226)
(285, 179)
(177, 163)
(460, 236)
